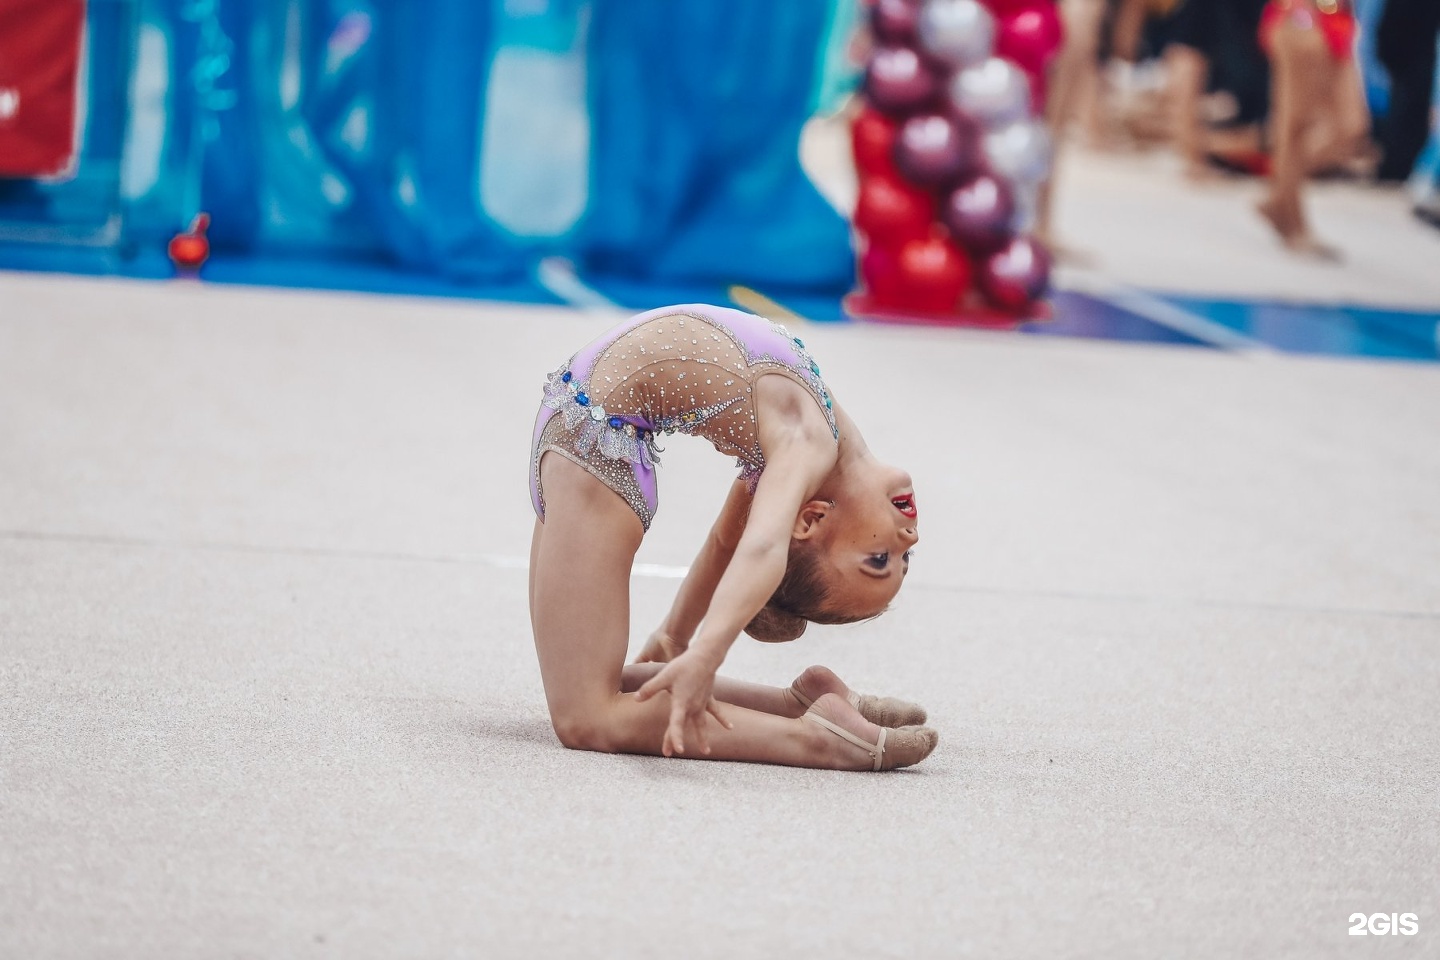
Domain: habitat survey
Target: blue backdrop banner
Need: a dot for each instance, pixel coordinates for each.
(646, 141)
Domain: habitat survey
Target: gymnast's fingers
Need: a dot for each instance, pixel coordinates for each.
(648, 689)
(714, 709)
(676, 730)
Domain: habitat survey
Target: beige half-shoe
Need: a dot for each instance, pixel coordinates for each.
(894, 748)
(883, 711)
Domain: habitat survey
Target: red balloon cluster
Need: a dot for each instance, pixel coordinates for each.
(950, 152)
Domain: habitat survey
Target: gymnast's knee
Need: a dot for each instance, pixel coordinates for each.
(583, 731)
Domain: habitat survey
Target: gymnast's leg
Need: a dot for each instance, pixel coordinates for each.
(581, 616)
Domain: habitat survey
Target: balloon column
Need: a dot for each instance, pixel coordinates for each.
(951, 153)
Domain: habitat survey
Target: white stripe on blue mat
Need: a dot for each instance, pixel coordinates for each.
(1160, 312)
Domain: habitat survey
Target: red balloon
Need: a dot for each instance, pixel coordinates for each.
(1002, 8)
(891, 212)
(1030, 36)
(934, 275)
(872, 138)
(1016, 275)
(880, 273)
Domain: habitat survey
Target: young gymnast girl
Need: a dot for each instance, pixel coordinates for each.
(814, 530)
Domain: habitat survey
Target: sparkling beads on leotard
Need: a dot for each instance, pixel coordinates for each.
(810, 371)
(616, 437)
(692, 420)
(691, 369)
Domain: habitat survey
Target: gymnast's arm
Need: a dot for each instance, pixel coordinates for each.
(693, 598)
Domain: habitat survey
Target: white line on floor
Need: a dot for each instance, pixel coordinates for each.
(666, 572)
(658, 570)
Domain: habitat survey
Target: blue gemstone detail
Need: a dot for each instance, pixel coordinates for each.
(616, 422)
(815, 368)
(827, 401)
(799, 343)
(566, 377)
(581, 399)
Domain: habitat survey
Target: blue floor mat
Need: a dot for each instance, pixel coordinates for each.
(369, 277)
(1323, 329)
(1083, 315)
(1331, 330)
(362, 276)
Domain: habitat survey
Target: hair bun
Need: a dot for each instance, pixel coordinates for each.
(773, 625)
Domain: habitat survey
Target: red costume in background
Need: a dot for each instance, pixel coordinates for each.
(39, 66)
(1335, 19)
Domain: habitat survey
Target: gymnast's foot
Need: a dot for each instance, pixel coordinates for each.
(855, 743)
(817, 681)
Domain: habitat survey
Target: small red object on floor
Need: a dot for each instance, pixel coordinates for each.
(189, 250)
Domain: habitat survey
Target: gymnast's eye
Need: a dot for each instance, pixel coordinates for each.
(907, 555)
(879, 560)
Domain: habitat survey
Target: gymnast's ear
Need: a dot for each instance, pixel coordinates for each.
(773, 625)
(807, 523)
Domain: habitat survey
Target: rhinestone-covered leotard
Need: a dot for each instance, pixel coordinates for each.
(685, 369)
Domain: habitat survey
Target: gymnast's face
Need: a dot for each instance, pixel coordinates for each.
(866, 539)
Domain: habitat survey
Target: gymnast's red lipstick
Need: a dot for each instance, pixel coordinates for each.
(906, 505)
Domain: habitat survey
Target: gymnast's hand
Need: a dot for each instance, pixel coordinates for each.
(690, 678)
(662, 648)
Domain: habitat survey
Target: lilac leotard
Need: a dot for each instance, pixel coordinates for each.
(684, 369)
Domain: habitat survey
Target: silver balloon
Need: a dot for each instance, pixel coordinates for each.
(1019, 152)
(1027, 206)
(993, 92)
(958, 33)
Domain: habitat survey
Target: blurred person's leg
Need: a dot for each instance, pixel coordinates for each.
(1074, 92)
(1128, 29)
(1075, 76)
(1343, 119)
(1188, 71)
(1301, 67)
(1193, 38)
(1405, 43)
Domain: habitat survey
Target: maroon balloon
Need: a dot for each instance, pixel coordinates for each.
(980, 214)
(893, 21)
(933, 150)
(898, 81)
(1016, 275)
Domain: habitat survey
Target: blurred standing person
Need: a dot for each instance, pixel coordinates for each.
(1405, 43)
(1318, 112)
(1214, 39)
(1075, 76)
(1074, 96)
